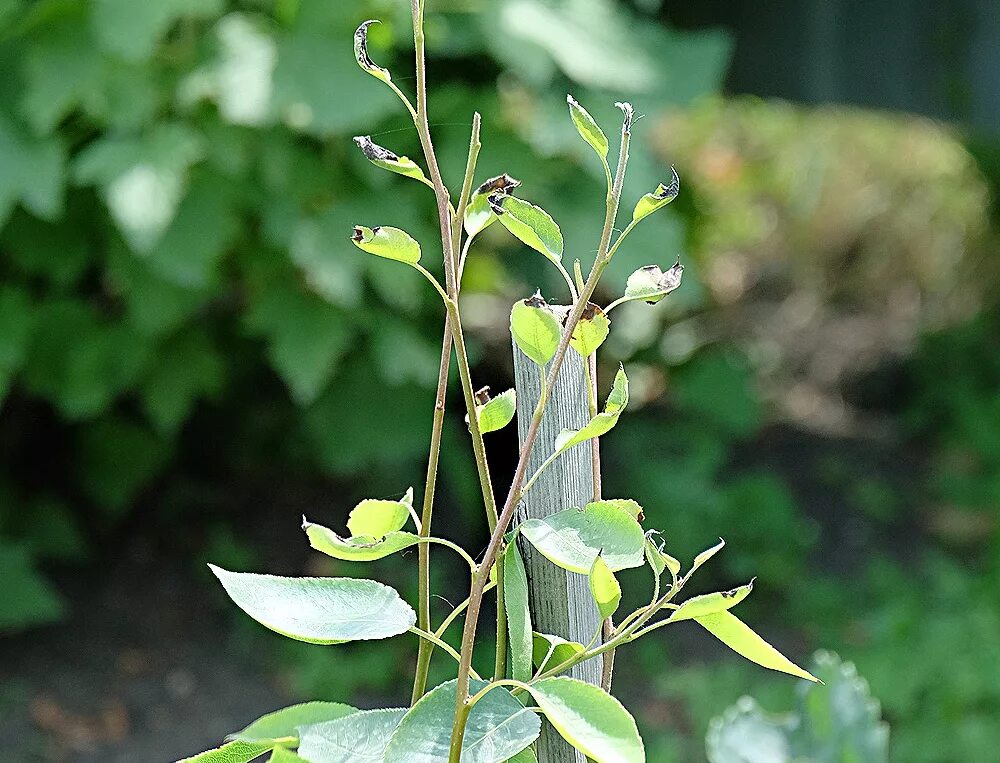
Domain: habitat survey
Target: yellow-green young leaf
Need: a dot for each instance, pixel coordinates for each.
(588, 128)
(704, 556)
(388, 242)
(515, 600)
(387, 160)
(604, 588)
(233, 752)
(627, 505)
(363, 549)
(375, 518)
(498, 728)
(319, 610)
(572, 539)
(659, 559)
(548, 651)
(590, 719)
(535, 329)
(478, 212)
(591, 331)
(739, 637)
(361, 52)
(498, 412)
(650, 284)
(287, 721)
(531, 224)
(357, 738)
(603, 422)
(710, 603)
(663, 195)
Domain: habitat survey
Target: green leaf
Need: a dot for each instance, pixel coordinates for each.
(650, 284)
(478, 212)
(515, 600)
(659, 559)
(531, 224)
(387, 160)
(319, 610)
(375, 518)
(282, 755)
(663, 195)
(357, 738)
(591, 331)
(548, 651)
(603, 422)
(588, 128)
(527, 755)
(361, 52)
(572, 539)
(604, 588)
(34, 170)
(233, 752)
(710, 603)
(26, 598)
(704, 556)
(535, 329)
(739, 637)
(590, 719)
(626, 504)
(388, 242)
(363, 549)
(498, 728)
(287, 721)
(498, 412)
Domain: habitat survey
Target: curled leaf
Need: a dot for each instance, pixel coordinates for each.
(361, 52)
(535, 329)
(651, 284)
(703, 557)
(359, 549)
(591, 330)
(532, 225)
(547, 650)
(376, 518)
(588, 128)
(663, 195)
(388, 242)
(387, 160)
(478, 213)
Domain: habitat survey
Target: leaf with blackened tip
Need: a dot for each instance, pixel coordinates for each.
(361, 52)
(591, 330)
(388, 160)
(388, 242)
(663, 195)
(629, 113)
(478, 212)
(498, 412)
(710, 603)
(529, 223)
(588, 128)
(651, 284)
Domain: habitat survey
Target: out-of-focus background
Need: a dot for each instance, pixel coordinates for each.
(192, 355)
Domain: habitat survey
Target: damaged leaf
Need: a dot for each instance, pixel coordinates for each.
(387, 160)
(591, 330)
(361, 52)
(478, 213)
(650, 284)
(663, 195)
(388, 242)
(496, 413)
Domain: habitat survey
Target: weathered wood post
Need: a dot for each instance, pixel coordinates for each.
(560, 601)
